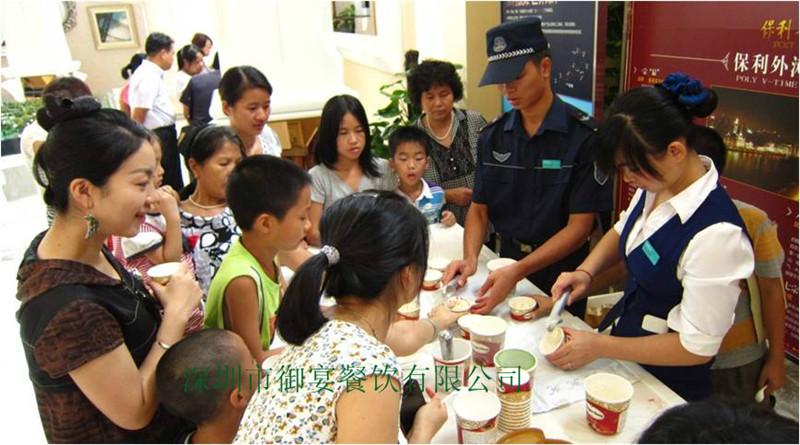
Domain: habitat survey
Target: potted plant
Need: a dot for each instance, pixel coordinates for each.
(399, 112)
(14, 118)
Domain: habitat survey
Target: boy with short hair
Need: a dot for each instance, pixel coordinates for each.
(208, 379)
(270, 199)
(409, 148)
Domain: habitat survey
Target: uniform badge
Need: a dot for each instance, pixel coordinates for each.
(499, 44)
(501, 157)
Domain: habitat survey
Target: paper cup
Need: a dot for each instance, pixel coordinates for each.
(438, 263)
(452, 374)
(432, 279)
(488, 334)
(521, 308)
(476, 416)
(409, 311)
(161, 273)
(608, 397)
(516, 359)
(551, 341)
(464, 323)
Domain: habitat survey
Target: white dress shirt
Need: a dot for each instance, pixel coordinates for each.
(147, 90)
(710, 269)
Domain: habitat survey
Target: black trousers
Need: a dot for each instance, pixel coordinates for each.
(170, 158)
(546, 277)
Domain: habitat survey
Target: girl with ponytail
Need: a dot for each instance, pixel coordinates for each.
(682, 240)
(374, 255)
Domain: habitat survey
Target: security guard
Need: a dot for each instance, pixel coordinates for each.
(535, 178)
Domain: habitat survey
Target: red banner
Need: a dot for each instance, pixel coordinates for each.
(748, 52)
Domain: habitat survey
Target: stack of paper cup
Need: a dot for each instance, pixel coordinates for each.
(514, 390)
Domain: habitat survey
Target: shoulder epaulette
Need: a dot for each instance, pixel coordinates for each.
(583, 118)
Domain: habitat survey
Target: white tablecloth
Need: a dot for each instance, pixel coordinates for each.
(567, 422)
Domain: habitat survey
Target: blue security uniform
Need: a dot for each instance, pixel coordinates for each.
(531, 185)
(653, 288)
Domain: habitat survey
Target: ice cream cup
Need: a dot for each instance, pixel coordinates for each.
(608, 397)
(452, 374)
(488, 334)
(161, 273)
(476, 416)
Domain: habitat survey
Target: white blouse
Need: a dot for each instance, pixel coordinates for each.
(710, 269)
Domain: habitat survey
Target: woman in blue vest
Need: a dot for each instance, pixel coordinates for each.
(681, 238)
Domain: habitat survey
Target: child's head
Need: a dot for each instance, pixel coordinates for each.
(648, 131)
(344, 134)
(271, 197)
(409, 148)
(186, 376)
(155, 142)
(720, 421)
(246, 99)
(212, 155)
(709, 143)
(382, 245)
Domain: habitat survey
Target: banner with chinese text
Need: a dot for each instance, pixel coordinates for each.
(747, 51)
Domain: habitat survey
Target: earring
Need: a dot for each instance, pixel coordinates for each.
(91, 226)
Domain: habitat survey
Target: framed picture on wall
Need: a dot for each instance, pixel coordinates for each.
(113, 26)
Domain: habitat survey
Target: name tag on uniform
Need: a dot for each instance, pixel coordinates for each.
(651, 252)
(551, 164)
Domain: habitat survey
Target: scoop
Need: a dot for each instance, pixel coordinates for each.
(446, 344)
(554, 319)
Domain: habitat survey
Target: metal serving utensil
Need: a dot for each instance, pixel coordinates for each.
(554, 319)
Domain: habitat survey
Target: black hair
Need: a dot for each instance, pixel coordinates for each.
(431, 73)
(409, 134)
(645, 120)
(278, 181)
(209, 140)
(67, 87)
(199, 40)
(83, 141)
(187, 54)
(538, 56)
(239, 79)
(377, 234)
(325, 147)
(720, 421)
(709, 143)
(156, 42)
(187, 375)
(136, 60)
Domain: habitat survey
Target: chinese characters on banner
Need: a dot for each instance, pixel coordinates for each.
(751, 60)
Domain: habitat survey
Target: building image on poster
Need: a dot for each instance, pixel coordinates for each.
(751, 60)
(570, 28)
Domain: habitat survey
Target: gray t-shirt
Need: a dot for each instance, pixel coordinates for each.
(327, 188)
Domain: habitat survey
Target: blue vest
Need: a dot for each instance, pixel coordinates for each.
(653, 287)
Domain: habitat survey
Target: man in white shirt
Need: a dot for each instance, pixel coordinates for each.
(151, 104)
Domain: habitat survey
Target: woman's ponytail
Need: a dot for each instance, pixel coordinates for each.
(299, 315)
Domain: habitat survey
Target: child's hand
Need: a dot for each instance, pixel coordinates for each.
(166, 203)
(448, 218)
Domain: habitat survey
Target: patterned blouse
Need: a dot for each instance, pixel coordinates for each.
(211, 238)
(298, 404)
(455, 166)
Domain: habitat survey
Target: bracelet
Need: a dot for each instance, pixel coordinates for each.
(591, 277)
(435, 329)
(163, 345)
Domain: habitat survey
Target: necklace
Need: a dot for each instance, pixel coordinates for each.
(200, 206)
(449, 130)
(360, 318)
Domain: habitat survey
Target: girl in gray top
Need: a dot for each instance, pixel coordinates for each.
(345, 164)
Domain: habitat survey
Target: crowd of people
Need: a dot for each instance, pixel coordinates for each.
(110, 350)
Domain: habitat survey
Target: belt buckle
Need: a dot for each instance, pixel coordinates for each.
(525, 248)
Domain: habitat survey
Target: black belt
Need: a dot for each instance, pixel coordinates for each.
(522, 246)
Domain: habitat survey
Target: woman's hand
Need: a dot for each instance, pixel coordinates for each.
(429, 419)
(578, 280)
(443, 317)
(181, 295)
(580, 348)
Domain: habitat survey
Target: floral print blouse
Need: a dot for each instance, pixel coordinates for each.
(296, 403)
